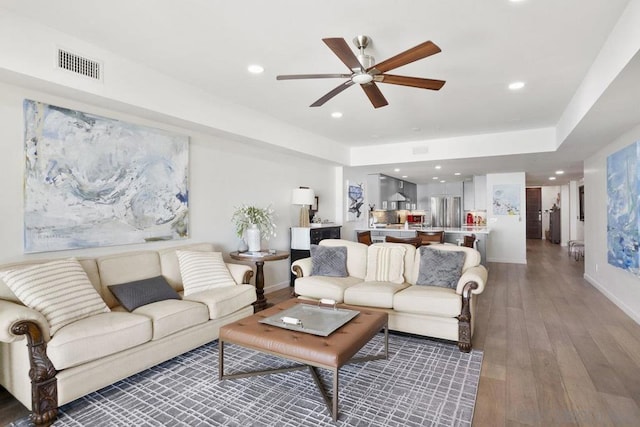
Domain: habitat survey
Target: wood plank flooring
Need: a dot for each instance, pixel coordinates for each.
(556, 351)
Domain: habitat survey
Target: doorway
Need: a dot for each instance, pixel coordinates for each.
(534, 213)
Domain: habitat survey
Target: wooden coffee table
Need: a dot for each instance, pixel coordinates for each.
(310, 351)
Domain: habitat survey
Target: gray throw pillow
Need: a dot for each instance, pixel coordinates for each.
(329, 261)
(142, 292)
(440, 268)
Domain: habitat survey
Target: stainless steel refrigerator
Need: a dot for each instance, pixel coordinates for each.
(446, 211)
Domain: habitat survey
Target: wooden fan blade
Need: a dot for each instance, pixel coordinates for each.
(375, 96)
(423, 50)
(332, 93)
(342, 50)
(410, 81)
(312, 76)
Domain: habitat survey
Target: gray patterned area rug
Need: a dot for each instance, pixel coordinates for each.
(423, 383)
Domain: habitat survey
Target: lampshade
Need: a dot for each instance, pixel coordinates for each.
(302, 196)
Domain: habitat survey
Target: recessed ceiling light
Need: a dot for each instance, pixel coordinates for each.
(405, 176)
(396, 170)
(516, 1)
(457, 174)
(516, 85)
(552, 178)
(336, 114)
(438, 167)
(255, 69)
(435, 177)
(559, 172)
(442, 180)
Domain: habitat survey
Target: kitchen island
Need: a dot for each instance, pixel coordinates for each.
(453, 235)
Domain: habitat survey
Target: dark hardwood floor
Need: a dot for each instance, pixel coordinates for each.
(556, 351)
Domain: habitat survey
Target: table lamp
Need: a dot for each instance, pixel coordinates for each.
(304, 197)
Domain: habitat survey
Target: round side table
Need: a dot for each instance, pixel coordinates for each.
(259, 259)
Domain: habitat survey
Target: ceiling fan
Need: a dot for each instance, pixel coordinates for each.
(366, 74)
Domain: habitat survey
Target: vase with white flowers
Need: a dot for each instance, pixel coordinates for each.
(253, 223)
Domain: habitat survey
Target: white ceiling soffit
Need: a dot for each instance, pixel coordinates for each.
(485, 46)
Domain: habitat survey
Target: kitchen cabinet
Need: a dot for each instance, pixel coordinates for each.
(445, 189)
(468, 196)
(475, 194)
(382, 190)
(480, 192)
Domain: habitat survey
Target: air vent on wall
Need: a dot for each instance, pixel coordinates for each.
(79, 64)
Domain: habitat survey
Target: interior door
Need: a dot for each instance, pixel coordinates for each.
(534, 213)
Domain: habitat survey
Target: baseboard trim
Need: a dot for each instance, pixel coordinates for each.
(508, 260)
(614, 299)
(276, 287)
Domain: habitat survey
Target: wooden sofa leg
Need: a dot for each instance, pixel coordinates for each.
(464, 319)
(44, 386)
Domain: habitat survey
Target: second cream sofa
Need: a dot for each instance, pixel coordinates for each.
(432, 311)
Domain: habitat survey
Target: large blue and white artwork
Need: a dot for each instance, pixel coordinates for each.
(506, 199)
(93, 181)
(622, 208)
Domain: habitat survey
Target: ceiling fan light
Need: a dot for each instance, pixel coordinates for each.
(361, 78)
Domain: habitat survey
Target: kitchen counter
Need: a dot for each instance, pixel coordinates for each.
(451, 234)
(470, 229)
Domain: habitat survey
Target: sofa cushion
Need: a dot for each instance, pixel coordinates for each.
(373, 294)
(324, 287)
(429, 300)
(329, 261)
(385, 263)
(440, 268)
(60, 290)
(170, 266)
(356, 255)
(171, 316)
(97, 336)
(132, 295)
(202, 271)
(225, 300)
(126, 267)
(471, 259)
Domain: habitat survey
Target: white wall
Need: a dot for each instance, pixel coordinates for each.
(223, 174)
(620, 286)
(507, 240)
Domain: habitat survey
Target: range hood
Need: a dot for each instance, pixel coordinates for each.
(398, 197)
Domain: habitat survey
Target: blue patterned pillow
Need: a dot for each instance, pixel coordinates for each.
(440, 268)
(329, 261)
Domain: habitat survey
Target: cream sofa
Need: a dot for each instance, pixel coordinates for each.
(432, 311)
(94, 352)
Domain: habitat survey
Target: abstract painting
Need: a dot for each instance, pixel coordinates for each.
(93, 181)
(622, 208)
(355, 200)
(506, 199)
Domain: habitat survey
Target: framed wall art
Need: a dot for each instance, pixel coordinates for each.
(355, 200)
(94, 181)
(506, 199)
(623, 181)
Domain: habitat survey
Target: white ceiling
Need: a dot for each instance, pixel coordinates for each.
(548, 44)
